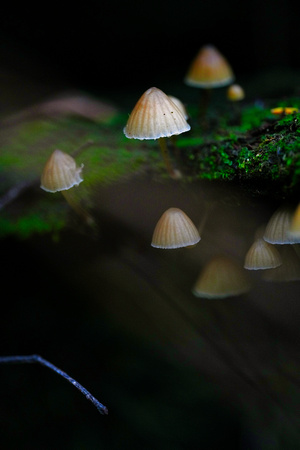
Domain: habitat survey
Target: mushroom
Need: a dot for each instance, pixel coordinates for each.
(183, 110)
(155, 116)
(289, 270)
(284, 110)
(174, 230)
(180, 106)
(294, 230)
(278, 228)
(209, 70)
(60, 174)
(262, 255)
(235, 93)
(221, 277)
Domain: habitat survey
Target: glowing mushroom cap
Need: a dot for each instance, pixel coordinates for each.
(155, 116)
(235, 93)
(60, 172)
(209, 69)
(174, 230)
(221, 277)
(262, 255)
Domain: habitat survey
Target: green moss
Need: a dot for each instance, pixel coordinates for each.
(267, 154)
(44, 216)
(29, 224)
(211, 162)
(104, 151)
(183, 142)
(253, 117)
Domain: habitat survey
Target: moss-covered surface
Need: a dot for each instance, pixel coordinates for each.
(261, 153)
(252, 147)
(104, 151)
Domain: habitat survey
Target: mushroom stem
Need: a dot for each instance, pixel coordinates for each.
(209, 208)
(76, 206)
(204, 102)
(175, 149)
(236, 113)
(166, 157)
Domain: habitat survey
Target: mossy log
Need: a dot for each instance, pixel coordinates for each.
(252, 148)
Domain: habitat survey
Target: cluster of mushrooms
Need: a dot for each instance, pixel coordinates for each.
(274, 252)
(160, 116)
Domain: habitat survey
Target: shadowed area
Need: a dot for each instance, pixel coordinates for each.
(119, 316)
(83, 288)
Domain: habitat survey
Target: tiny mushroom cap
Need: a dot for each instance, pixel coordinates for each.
(174, 230)
(155, 116)
(278, 228)
(262, 255)
(221, 277)
(209, 69)
(60, 172)
(235, 93)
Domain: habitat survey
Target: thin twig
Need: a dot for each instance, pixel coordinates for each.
(15, 191)
(38, 359)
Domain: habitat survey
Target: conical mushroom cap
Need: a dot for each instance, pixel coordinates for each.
(262, 255)
(221, 277)
(278, 228)
(209, 69)
(155, 116)
(60, 172)
(174, 230)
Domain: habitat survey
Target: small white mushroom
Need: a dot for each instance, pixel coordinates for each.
(155, 116)
(174, 230)
(60, 172)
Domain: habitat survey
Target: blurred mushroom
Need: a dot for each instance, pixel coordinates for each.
(221, 277)
(155, 116)
(235, 93)
(209, 70)
(174, 230)
(183, 110)
(278, 228)
(294, 230)
(180, 106)
(262, 255)
(280, 110)
(289, 269)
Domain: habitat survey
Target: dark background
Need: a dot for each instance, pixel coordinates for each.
(156, 399)
(111, 46)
